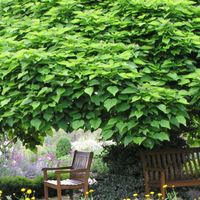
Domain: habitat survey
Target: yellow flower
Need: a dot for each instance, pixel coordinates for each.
(29, 191)
(32, 198)
(147, 195)
(164, 186)
(91, 191)
(173, 186)
(27, 198)
(135, 195)
(128, 199)
(152, 193)
(159, 194)
(1, 192)
(23, 190)
(87, 193)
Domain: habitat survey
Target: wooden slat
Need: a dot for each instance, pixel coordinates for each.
(171, 167)
(176, 165)
(189, 163)
(180, 165)
(164, 161)
(195, 164)
(156, 174)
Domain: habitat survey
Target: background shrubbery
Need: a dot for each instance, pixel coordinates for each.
(10, 185)
(63, 147)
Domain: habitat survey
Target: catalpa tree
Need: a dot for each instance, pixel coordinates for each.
(131, 68)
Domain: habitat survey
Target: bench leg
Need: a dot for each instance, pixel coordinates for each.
(162, 183)
(146, 185)
(85, 190)
(46, 192)
(59, 194)
(146, 188)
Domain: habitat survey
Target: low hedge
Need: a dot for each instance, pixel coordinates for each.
(13, 184)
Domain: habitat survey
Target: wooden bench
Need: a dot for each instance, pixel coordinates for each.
(171, 167)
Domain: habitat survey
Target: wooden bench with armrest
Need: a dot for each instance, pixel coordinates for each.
(78, 171)
(171, 167)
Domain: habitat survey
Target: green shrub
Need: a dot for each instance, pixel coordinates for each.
(13, 184)
(130, 68)
(98, 166)
(124, 175)
(63, 147)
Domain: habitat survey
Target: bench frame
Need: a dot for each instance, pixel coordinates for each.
(171, 167)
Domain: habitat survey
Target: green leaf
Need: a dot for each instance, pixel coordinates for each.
(129, 90)
(26, 101)
(48, 115)
(112, 121)
(77, 124)
(138, 140)
(135, 98)
(36, 122)
(4, 102)
(181, 119)
(62, 124)
(183, 101)
(160, 136)
(132, 124)
(128, 139)
(35, 104)
(174, 121)
(95, 123)
(138, 113)
(123, 107)
(60, 91)
(113, 90)
(109, 103)
(48, 78)
(89, 90)
(107, 134)
(120, 126)
(95, 99)
(125, 55)
(164, 123)
(155, 123)
(163, 108)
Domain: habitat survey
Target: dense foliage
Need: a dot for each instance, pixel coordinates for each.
(130, 68)
(124, 176)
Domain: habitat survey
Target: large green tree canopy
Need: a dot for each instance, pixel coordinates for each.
(129, 67)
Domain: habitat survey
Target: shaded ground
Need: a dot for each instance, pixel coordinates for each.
(55, 198)
(66, 197)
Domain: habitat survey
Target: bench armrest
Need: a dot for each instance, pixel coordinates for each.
(71, 170)
(55, 168)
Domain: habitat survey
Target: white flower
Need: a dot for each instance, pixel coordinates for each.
(92, 181)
